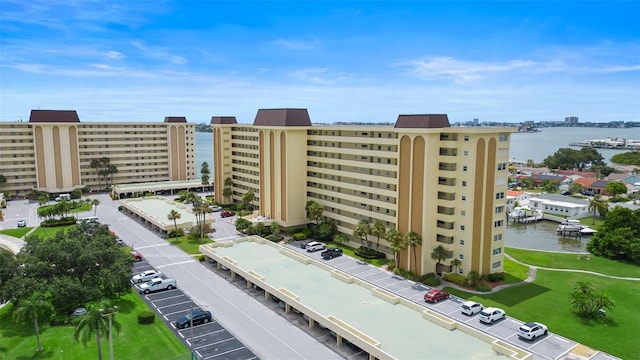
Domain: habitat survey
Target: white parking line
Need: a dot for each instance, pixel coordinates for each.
(515, 322)
(176, 263)
(176, 312)
(231, 338)
(224, 353)
(151, 246)
(160, 307)
(563, 340)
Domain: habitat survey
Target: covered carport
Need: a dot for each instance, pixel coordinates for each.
(122, 191)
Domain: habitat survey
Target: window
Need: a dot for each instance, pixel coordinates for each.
(464, 183)
(462, 227)
(465, 153)
(464, 198)
(496, 264)
(502, 166)
(498, 223)
(497, 251)
(499, 209)
(466, 138)
(503, 137)
(461, 242)
(499, 195)
(461, 257)
(460, 271)
(462, 213)
(464, 168)
(497, 237)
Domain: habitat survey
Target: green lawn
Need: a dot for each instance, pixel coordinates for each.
(17, 232)
(571, 261)
(351, 252)
(188, 245)
(546, 301)
(514, 272)
(134, 341)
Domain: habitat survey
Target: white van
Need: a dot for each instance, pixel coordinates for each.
(87, 219)
(315, 246)
(64, 196)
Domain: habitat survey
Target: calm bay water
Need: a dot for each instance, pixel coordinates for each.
(535, 146)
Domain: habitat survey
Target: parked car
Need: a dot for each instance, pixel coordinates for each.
(225, 214)
(303, 244)
(119, 241)
(471, 308)
(146, 276)
(157, 284)
(198, 316)
(136, 256)
(566, 192)
(22, 223)
(532, 330)
(215, 208)
(435, 295)
(330, 253)
(491, 314)
(315, 246)
(588, 193)
(79, 312)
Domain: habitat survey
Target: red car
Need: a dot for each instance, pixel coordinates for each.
(136, 255)
(225, 214)
(435, 295)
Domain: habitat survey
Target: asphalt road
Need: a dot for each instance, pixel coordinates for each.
(265, 333)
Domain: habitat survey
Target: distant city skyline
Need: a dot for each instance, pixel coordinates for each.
(356, 61)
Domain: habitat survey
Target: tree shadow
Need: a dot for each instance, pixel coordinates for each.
(514, 295)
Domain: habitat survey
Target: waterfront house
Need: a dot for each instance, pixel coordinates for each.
(599, 187)
(513, 196)
(560, 205)
(571, 173)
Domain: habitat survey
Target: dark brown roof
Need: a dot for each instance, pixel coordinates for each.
(223, 120)
(61, 116)
(282, 117)
(175, 119)
(424, 121)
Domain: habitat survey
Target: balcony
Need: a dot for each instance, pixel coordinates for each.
(446, 181)
(447, 166)
(444, 239)
(445, 225)
(446, 210)
(446, 196)
(448, 152)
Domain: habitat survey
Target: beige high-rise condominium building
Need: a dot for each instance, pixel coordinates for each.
(52, 152)
(445, 183)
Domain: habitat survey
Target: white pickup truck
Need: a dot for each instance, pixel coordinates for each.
(157, 284)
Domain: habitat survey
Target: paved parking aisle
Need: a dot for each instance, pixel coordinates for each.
(551, 346)
(210, 340)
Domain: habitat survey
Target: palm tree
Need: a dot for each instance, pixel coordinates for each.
(174, 216)
(361, 230)
(414, 240)
(473, 278)
(32, 308)
(378, 230)
(439, 254)
(314, 211)
(455, 264)
(227, 191)
(594, 204)
(43, 199)
(93, 322)
(397, 242)
(340, 239)
(95, 203)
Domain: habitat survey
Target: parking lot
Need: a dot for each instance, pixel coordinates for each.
(209, 341)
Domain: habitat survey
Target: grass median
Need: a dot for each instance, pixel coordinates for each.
(134, 341)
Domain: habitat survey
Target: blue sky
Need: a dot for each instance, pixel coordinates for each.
(141, 60)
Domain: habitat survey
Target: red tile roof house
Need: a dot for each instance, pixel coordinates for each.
(586, 183)
(599, 187)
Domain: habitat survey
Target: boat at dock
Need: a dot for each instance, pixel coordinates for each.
(609, 143)
(570, 225)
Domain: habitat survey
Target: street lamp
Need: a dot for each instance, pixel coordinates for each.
(110, 314)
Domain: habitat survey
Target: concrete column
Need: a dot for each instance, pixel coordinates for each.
(312, 323)
(233, 275)
(287, 308)
(338, 339)
(218, 266)
(266, 295)
(249, 284)
(371, 357)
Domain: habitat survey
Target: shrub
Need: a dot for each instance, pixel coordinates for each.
(176, 234)
(391, 266)
(455, 278)
(368, 253)
(427, 276)
(60, 319)
(432, 281)
(274, 238)
(146, 317)
(299, 236)
(495, 277)
(200, 257)
(483, 287)
(405, 274)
